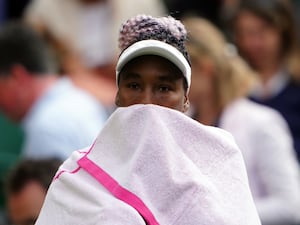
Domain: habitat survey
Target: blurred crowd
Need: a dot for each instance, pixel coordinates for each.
(58, 88)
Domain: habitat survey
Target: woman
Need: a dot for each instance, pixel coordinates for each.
(152, 164)
(221, 80)
(265, 34)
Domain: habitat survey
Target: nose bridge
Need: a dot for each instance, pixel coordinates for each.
(147, 96)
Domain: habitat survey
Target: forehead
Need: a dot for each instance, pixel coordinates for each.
(248, 17)
(151, 64)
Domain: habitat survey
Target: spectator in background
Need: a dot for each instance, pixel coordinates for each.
(151, 164)
(221, 81)
(265, 34)
(26, 188)
(56, 116)
(84, 34)
(11, 134)
(209, 9)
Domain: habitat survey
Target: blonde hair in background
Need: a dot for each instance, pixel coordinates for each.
(233, 77)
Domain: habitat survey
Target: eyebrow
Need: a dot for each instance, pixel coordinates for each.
(167, 77)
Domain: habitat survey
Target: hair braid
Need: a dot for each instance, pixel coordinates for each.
(144, 27)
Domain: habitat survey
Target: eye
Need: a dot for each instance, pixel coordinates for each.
(164, 88)
(133, 85)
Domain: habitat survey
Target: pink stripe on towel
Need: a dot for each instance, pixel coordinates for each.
(118, 191)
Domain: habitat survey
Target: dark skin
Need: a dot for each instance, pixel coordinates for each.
(152, 80)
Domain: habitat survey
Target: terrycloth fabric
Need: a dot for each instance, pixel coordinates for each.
(185, 174)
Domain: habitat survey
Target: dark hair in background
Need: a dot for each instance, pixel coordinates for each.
(209, 9)
(20, 44)
(279, 14)
(39, 170)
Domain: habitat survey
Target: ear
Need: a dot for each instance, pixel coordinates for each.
(186, 104)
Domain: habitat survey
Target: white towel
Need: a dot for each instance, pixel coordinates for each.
(184, 172)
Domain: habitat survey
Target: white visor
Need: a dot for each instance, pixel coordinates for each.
(159, 48)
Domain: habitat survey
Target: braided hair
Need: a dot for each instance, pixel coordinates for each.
(145, 27)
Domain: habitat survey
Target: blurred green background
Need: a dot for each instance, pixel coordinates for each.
(11, 137)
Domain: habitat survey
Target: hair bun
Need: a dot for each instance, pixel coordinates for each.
(145, 27)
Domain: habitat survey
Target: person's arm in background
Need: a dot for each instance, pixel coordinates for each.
(278, 172)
